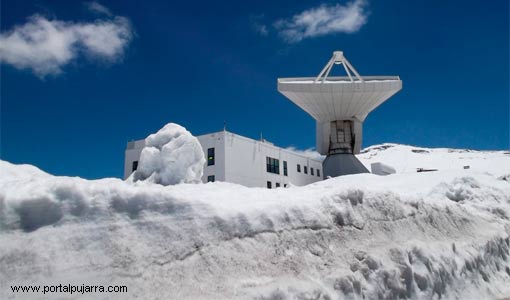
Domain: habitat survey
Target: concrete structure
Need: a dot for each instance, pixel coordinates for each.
(339, 105)
(237, 159)
(382, 169)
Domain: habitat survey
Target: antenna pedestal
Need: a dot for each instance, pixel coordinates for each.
(344, 140)
(342, 164)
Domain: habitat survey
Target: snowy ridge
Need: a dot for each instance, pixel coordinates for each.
(406, 158)
(412, 235)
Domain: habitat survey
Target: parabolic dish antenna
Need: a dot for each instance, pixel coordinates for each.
(339, 105)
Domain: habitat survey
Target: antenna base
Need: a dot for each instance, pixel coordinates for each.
(342, 164)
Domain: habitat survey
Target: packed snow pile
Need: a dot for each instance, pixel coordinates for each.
(171, 156)
(434, 235)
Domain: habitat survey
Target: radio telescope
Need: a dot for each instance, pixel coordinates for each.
(339, 105)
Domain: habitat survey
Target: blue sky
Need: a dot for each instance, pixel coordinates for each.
(80, 79)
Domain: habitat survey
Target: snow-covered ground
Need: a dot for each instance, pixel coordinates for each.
(406, 159)
(431, 235)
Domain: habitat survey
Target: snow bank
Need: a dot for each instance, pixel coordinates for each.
(171, 156)
(431, 235)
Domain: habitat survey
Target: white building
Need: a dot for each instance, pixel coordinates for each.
(237, 159)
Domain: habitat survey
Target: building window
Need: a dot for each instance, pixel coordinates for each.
(277, 184)
(285, 185)
(272, 165)
(210, 157)
(305, 169)
(211, 178)
(311, 171)
(269, 184)
(134, 166)
(285, 173)
(299, 168)
(318, 173)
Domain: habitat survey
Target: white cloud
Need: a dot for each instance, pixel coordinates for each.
(98, 8)
(46, 46)
(323, 20)
(311, 153)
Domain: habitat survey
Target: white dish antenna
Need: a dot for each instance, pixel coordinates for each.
(339, 104)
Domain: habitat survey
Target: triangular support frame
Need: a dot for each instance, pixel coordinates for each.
(338, 58)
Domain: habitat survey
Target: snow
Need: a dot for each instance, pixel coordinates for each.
(170, 156)
(431, 235)
(406, 159)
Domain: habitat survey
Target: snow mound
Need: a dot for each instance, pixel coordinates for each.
(431, 235)
(171, 156)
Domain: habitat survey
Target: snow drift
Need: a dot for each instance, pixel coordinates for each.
(432, 235)
(171, 156)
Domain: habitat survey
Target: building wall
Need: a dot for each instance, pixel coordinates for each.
(133, 151)
(243, 161)
(246, 163)
(217, 141)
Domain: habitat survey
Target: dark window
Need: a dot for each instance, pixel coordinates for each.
(311, 171)
(277, 184)
(285, 173)
(135, 166)
(299, 168)
(318, 173)
(210, 157)
(284, 185)
(211, 178)
(269, 184)
(305, 169)
(272, 165)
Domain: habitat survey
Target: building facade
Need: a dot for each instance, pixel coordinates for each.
(237, 159)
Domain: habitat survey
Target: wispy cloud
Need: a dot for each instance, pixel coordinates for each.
(98, 8)
(45, 46)
(323, 20)
(258, 25)
(261, 28)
